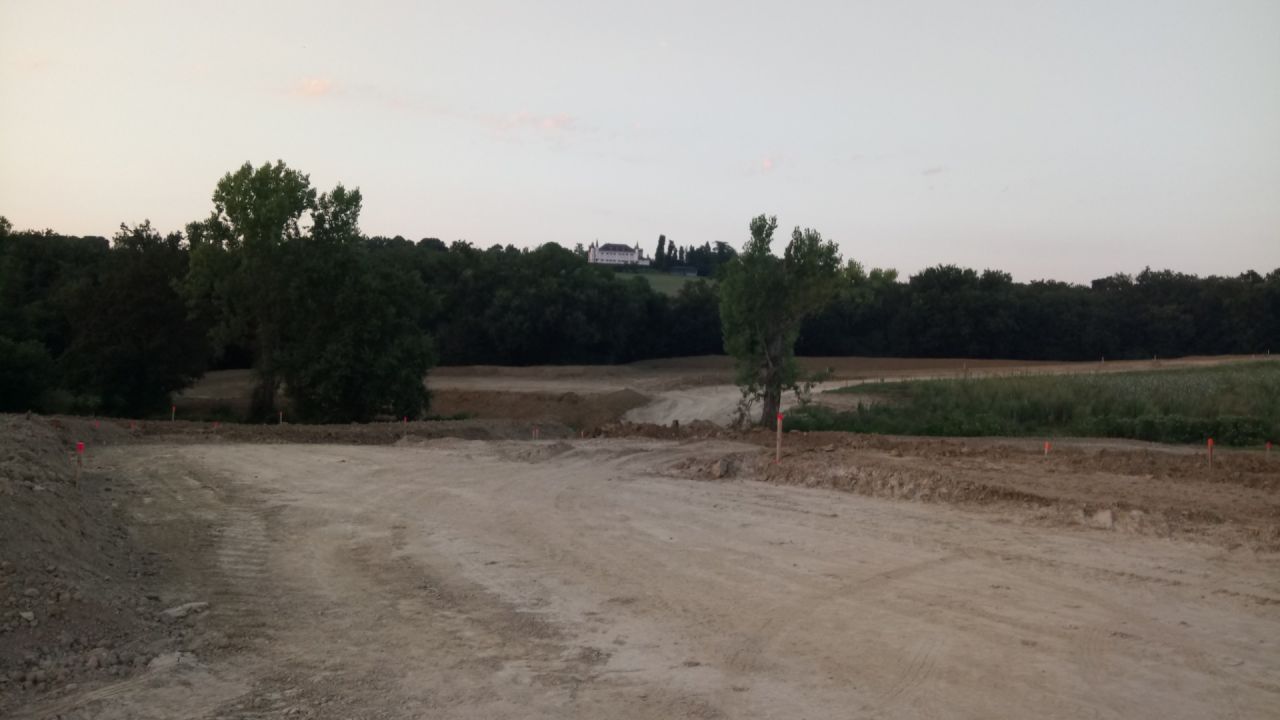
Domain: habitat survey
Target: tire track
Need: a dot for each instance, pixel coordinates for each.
(910, 684)
(1094, 647)
(242, 560)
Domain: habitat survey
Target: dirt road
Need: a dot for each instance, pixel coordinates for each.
(468, 579)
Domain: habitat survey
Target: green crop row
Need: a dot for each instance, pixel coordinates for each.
(1236, 404)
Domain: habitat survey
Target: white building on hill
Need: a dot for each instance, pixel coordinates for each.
(615, 254)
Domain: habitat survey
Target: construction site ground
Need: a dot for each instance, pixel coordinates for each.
(463, 569)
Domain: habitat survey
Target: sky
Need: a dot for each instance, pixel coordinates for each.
(1060, 140)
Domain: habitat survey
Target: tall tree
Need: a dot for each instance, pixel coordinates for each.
(238, 266)
(132, 343)
(763, 301)
(353, 347)
(660, 257)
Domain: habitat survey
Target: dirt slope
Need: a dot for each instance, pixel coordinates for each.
(80, 596)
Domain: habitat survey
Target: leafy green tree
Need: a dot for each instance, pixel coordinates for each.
(763, 300)
(856, 321)
(694, 327)
(239, 270)
(352, 347)
(40, 276)
(333, 319)
(132, 343)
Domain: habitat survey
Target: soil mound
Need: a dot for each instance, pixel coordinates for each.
(577, 410)
(536, 452)
(69, 606)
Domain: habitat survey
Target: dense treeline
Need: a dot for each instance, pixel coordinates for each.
(280, 278)
(704, 260)
(509, 306)
(334, 320)
(81, 317)
(947, 311)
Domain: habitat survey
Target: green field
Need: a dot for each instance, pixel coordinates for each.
(1237, 404)
(665, 283)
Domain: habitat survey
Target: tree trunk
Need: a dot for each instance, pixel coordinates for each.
(263, 404)
(772, 390)
(772, 403)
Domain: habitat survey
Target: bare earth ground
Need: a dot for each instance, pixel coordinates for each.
(633, 577)
(458, 569)
(657, 391)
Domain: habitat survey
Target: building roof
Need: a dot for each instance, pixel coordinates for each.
(615, 247)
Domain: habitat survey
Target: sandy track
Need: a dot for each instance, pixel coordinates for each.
(466, 579)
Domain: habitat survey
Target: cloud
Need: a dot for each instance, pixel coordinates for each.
(550, 124)
(766, 165)
(37, 64)
(863, 157)
(314, 87)
(519, 126)
(935, 170)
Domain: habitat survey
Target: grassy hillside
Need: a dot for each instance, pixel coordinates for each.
(665, 283)
(1237, 404)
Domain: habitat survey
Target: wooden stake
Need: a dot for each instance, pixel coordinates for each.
(173, 412)
(1210, 453)
(281, 420)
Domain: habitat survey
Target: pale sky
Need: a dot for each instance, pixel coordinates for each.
(1066, 140)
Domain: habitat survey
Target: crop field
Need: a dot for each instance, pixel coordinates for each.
(1237, 404)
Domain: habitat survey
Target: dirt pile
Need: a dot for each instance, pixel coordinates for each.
(73, 603)
(576, 410)
(696, 430)
(1166, 491)
(535, 452)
